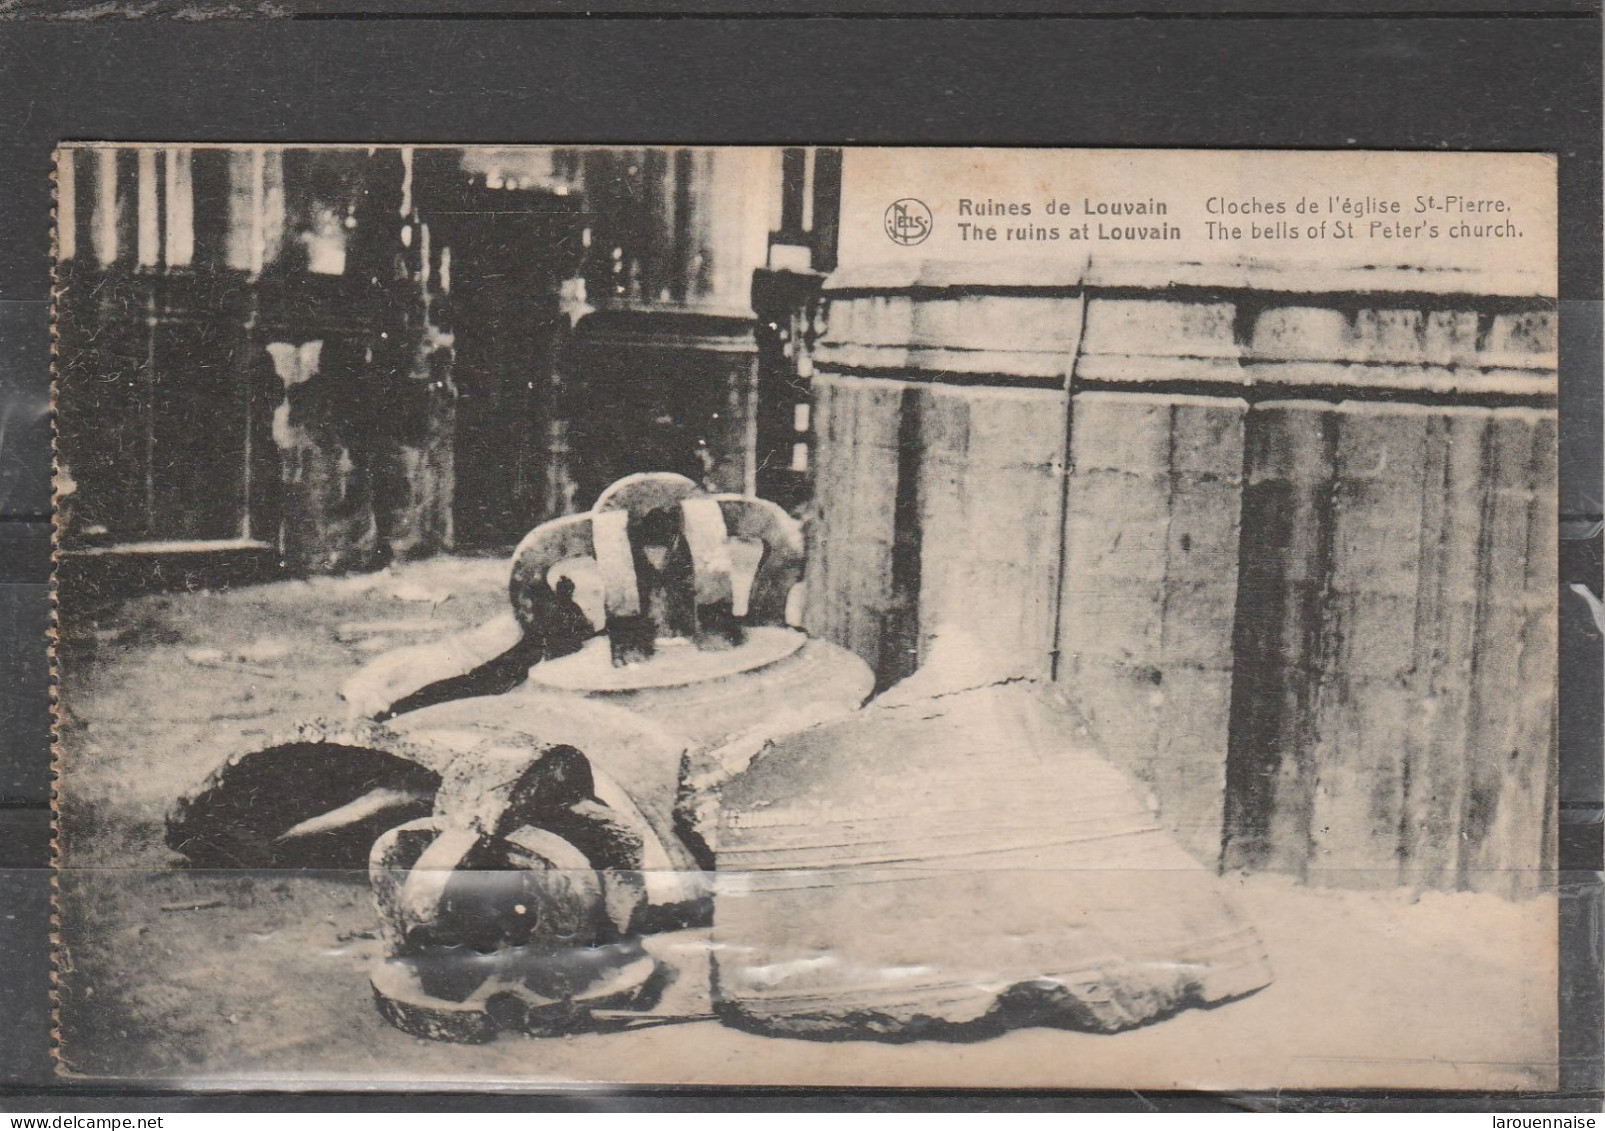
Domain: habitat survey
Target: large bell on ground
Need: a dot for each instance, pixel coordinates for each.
(519, 904)
(955, 860)
(662, 599)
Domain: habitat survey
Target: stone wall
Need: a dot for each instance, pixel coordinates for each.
(1288, 543)
(660, 389)
(252, 355)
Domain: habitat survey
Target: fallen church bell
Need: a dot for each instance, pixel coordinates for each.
(953, 861)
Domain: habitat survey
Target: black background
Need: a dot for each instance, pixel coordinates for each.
(1257, 73)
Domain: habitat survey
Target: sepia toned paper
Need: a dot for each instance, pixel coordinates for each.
(900, 617)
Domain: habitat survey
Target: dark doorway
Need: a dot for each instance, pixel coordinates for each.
(504, 252)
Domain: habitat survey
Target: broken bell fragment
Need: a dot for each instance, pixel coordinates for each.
(955, 860)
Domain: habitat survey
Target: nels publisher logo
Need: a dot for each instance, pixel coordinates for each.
(908, 221)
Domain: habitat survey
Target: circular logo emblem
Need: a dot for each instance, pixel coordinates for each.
(908, 221)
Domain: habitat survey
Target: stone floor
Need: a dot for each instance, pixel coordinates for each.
(215, 980)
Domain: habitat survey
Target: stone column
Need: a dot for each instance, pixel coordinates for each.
(1280, 545)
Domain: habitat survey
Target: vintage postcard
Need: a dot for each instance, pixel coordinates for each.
(925, 617)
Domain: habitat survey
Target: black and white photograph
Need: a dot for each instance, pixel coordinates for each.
(536, 615)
